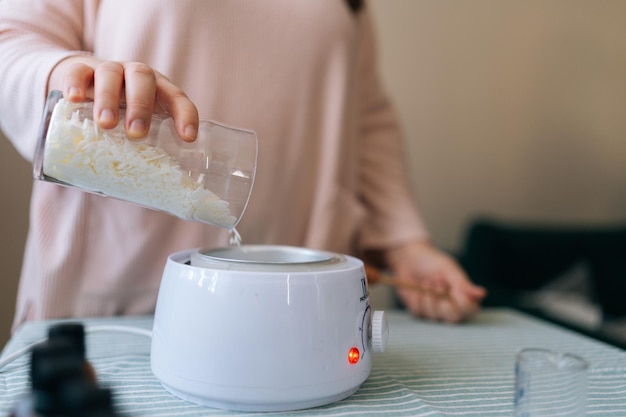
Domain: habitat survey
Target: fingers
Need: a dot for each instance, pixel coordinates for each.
(77, 81)
(460, 304)
(108, 82)
(141, 87)
(464, 307)
(433, 307)
(73, 76)
(476, 292)
(140, 82)
(453, 299)
(176, 102)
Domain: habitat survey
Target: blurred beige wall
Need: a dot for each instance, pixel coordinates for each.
(514, 109)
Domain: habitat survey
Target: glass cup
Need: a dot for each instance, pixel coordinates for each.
(549, 383)
(209, 180)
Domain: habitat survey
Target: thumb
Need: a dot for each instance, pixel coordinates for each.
(476, 292)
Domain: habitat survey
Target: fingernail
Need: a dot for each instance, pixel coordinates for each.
(137, 127)
(107, 116)
(191, 132)
(73, 92)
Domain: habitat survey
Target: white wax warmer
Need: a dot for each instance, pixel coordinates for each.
(264, 328)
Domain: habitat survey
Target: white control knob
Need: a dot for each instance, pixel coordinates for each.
(380, 331)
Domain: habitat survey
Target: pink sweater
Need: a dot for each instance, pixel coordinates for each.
(302, 74)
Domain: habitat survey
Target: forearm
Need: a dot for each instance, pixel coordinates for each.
(22, 95)
(32, 41)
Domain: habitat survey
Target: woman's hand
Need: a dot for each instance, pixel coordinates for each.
(450, 296)
(140, 87)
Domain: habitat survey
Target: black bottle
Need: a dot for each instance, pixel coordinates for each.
(51, 363)
(78, 399)
(62, 381)
(75, 333)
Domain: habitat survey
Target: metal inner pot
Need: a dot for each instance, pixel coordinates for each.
(265, 257)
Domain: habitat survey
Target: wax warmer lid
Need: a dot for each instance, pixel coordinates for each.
(266, 257)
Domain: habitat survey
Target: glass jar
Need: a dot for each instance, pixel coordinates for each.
(208, 180)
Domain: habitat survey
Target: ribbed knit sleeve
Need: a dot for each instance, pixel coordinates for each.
(34, 37)
(393, 217)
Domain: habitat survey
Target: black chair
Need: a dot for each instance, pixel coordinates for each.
(508, 258)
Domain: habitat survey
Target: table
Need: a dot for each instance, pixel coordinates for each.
(428, 369)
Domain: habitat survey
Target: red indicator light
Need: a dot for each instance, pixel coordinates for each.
(353, 355)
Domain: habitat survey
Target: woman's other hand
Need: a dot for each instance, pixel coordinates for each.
(450, 295)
